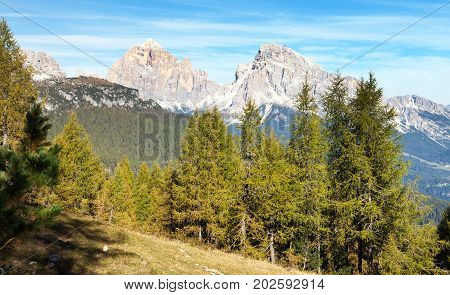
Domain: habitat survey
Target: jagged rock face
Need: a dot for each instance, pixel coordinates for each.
(74, 93)
(161, 76)
(45, 67)
(275, 77)
(415, 112)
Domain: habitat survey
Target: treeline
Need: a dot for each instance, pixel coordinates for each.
(332, 200)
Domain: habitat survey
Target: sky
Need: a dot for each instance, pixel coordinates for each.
(218, 35)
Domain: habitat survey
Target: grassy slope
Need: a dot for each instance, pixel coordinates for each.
(129, 253)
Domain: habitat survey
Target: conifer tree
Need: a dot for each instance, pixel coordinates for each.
(141, 195)
(41, 162)
(307, 152)
(123, 205)
(81, 172)
(166, 201)
(207, 175)
(26, 172)
(103, 202)
(275, 205)
(243, 220)
(36, 129)
(349, 172)
(14, 181)
(17, 91)
(443, 230)
(156, 197)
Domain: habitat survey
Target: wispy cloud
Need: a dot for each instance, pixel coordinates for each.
(217, 36)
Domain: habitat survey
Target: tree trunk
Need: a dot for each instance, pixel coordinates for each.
(318, 254)
(243, 231)
(200, 233)
(110, 216)
(5, 137)
(271, 247)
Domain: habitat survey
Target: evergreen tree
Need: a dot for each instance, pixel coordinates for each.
(244, 227)
(81, 172)
(349, 172)
(443, 230)
(36, 129)
(103, 202)
(165, 208)
(14, 181)
(207, 176)
(17, 91)
(141, 195)
(275, 205)
(307, 152)
(250, 132)
(123, 205)
(41, 162)
(372, 211)
(156, 197)
(24, 173)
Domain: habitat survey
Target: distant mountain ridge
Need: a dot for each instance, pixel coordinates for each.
(153, 78)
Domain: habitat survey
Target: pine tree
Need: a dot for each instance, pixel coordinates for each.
(244, 228)
(373, 213)
(81, 172)
(25, 173)
(307, 152)
(207, 177)
(141, 195)
(250, 132)
(157, 197)
(103, 202)
(36, 129)
(14, 181)
(123, 205)
(41, 160)
(166, 201)
(17, 91)
(443, 230)
(349, 172)
(275, 205)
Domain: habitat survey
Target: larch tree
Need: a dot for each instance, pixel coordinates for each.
(208, 177)
(349, 174)
(443, 230)
(243, 221)
(17, 92)
(81, 172)
(142, 198)
(307, 151)
(166, 200)
(123, 204)
(275, 205)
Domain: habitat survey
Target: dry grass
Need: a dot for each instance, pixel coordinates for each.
(52, 252)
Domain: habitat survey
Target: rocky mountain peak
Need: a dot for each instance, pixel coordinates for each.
(151, 43)
(271, 52)
(161, 76)
(419, 113)
(274, 77)
(45, 66)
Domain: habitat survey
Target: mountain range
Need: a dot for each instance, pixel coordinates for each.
(148, 77)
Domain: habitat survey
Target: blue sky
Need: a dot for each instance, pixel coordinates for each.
(219, 35)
